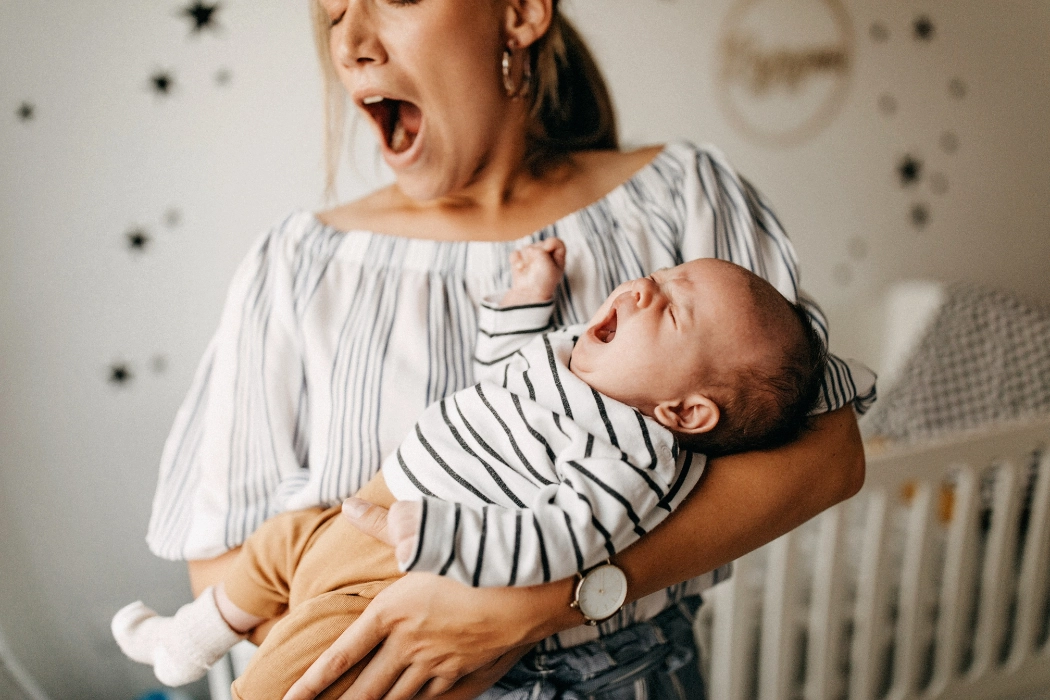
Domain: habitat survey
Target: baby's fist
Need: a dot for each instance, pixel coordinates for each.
(535, 271)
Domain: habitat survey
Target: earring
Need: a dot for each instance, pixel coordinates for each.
(522, 88)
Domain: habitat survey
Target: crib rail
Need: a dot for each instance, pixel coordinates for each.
(934, 582)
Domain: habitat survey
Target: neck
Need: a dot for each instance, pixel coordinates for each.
(501, 181)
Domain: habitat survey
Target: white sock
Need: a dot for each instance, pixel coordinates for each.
(182, 648)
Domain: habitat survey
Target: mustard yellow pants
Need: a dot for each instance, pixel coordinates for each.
(321, 570)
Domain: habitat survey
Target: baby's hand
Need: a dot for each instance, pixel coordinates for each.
(535, 271)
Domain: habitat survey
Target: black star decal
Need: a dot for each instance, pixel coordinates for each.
(119, 373)
(138, 239)
(25, 111)
(910, 170)
(203, 15)
(923, 28)
(162, 82)
(879, 32)
(920, 215)
(223, 77)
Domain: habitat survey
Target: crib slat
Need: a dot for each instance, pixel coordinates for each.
(1032, 586)
(869, 624)
(823, 679)
(913, 622)
(957, 580)
(997, 576)
(734, 632)
(778, 653)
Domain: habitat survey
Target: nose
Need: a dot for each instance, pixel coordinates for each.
(355, 40)
(645, 290)
(639, 294)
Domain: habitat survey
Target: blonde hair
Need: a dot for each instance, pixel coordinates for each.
(569, 104)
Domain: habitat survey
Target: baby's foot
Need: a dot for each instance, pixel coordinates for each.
(182, 648)
(536, 271)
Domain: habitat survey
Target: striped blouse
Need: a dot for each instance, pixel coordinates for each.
(331, 343)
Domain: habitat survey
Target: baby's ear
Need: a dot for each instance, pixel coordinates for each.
(693, 415)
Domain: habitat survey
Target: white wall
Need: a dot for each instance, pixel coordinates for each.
(103, 155)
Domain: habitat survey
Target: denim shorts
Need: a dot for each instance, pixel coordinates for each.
(652, 660)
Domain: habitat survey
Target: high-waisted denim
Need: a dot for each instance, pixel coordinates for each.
(650, 660)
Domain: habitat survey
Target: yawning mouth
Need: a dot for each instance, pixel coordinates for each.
(606, 330)
(398, 120)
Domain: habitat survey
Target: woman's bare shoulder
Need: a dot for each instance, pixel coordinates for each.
(608, 169)
(365, 214)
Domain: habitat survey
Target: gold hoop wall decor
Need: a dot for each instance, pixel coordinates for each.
(785, 67)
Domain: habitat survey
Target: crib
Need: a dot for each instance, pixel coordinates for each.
(931, 583)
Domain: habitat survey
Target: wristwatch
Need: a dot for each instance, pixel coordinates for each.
(600, 592)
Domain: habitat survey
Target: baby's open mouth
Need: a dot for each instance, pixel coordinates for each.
(398, 120)
(606, 330)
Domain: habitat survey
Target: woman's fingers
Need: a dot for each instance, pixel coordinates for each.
(388, 676)
(351, 647)
(368, 518)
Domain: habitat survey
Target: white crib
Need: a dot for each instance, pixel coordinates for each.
(933, 582)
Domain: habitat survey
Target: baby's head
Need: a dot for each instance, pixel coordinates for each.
(709, 350)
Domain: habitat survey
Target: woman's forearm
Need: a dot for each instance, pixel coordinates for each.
(747, 500)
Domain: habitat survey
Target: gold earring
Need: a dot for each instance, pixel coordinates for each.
(522, 88)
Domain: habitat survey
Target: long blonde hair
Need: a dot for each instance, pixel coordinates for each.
(569, 104)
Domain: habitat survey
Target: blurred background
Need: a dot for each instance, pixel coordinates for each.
(146, 144)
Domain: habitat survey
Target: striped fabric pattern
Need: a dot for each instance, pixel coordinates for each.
(332, 343)
(530, 475)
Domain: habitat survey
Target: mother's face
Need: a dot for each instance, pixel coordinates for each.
(427, 75)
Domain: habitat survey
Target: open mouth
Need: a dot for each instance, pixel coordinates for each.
(606, 330)
(398, 120)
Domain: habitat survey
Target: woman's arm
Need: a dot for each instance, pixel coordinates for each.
(435, 631)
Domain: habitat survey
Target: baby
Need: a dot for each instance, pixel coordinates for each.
(564, 453)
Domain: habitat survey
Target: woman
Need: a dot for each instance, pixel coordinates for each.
(340, 328)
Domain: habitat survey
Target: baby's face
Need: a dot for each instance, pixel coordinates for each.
(657, 338)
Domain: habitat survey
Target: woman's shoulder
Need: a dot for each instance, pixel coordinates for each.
(663, 167)
(606, 170)
(367, 213)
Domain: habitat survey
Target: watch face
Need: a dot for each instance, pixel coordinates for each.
(602, 592)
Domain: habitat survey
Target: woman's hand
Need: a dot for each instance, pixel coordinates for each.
(430, 632)
(433, 633)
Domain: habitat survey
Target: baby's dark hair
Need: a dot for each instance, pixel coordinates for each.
(760, 409)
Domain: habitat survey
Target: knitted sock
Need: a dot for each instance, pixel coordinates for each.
(180, 648)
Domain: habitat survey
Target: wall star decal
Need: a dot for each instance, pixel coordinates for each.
(203, 16)
(923, 28)
(26, 111)
(910, 170)
(162, 82)
(920, 215)
(120, 374)
(138, 239)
